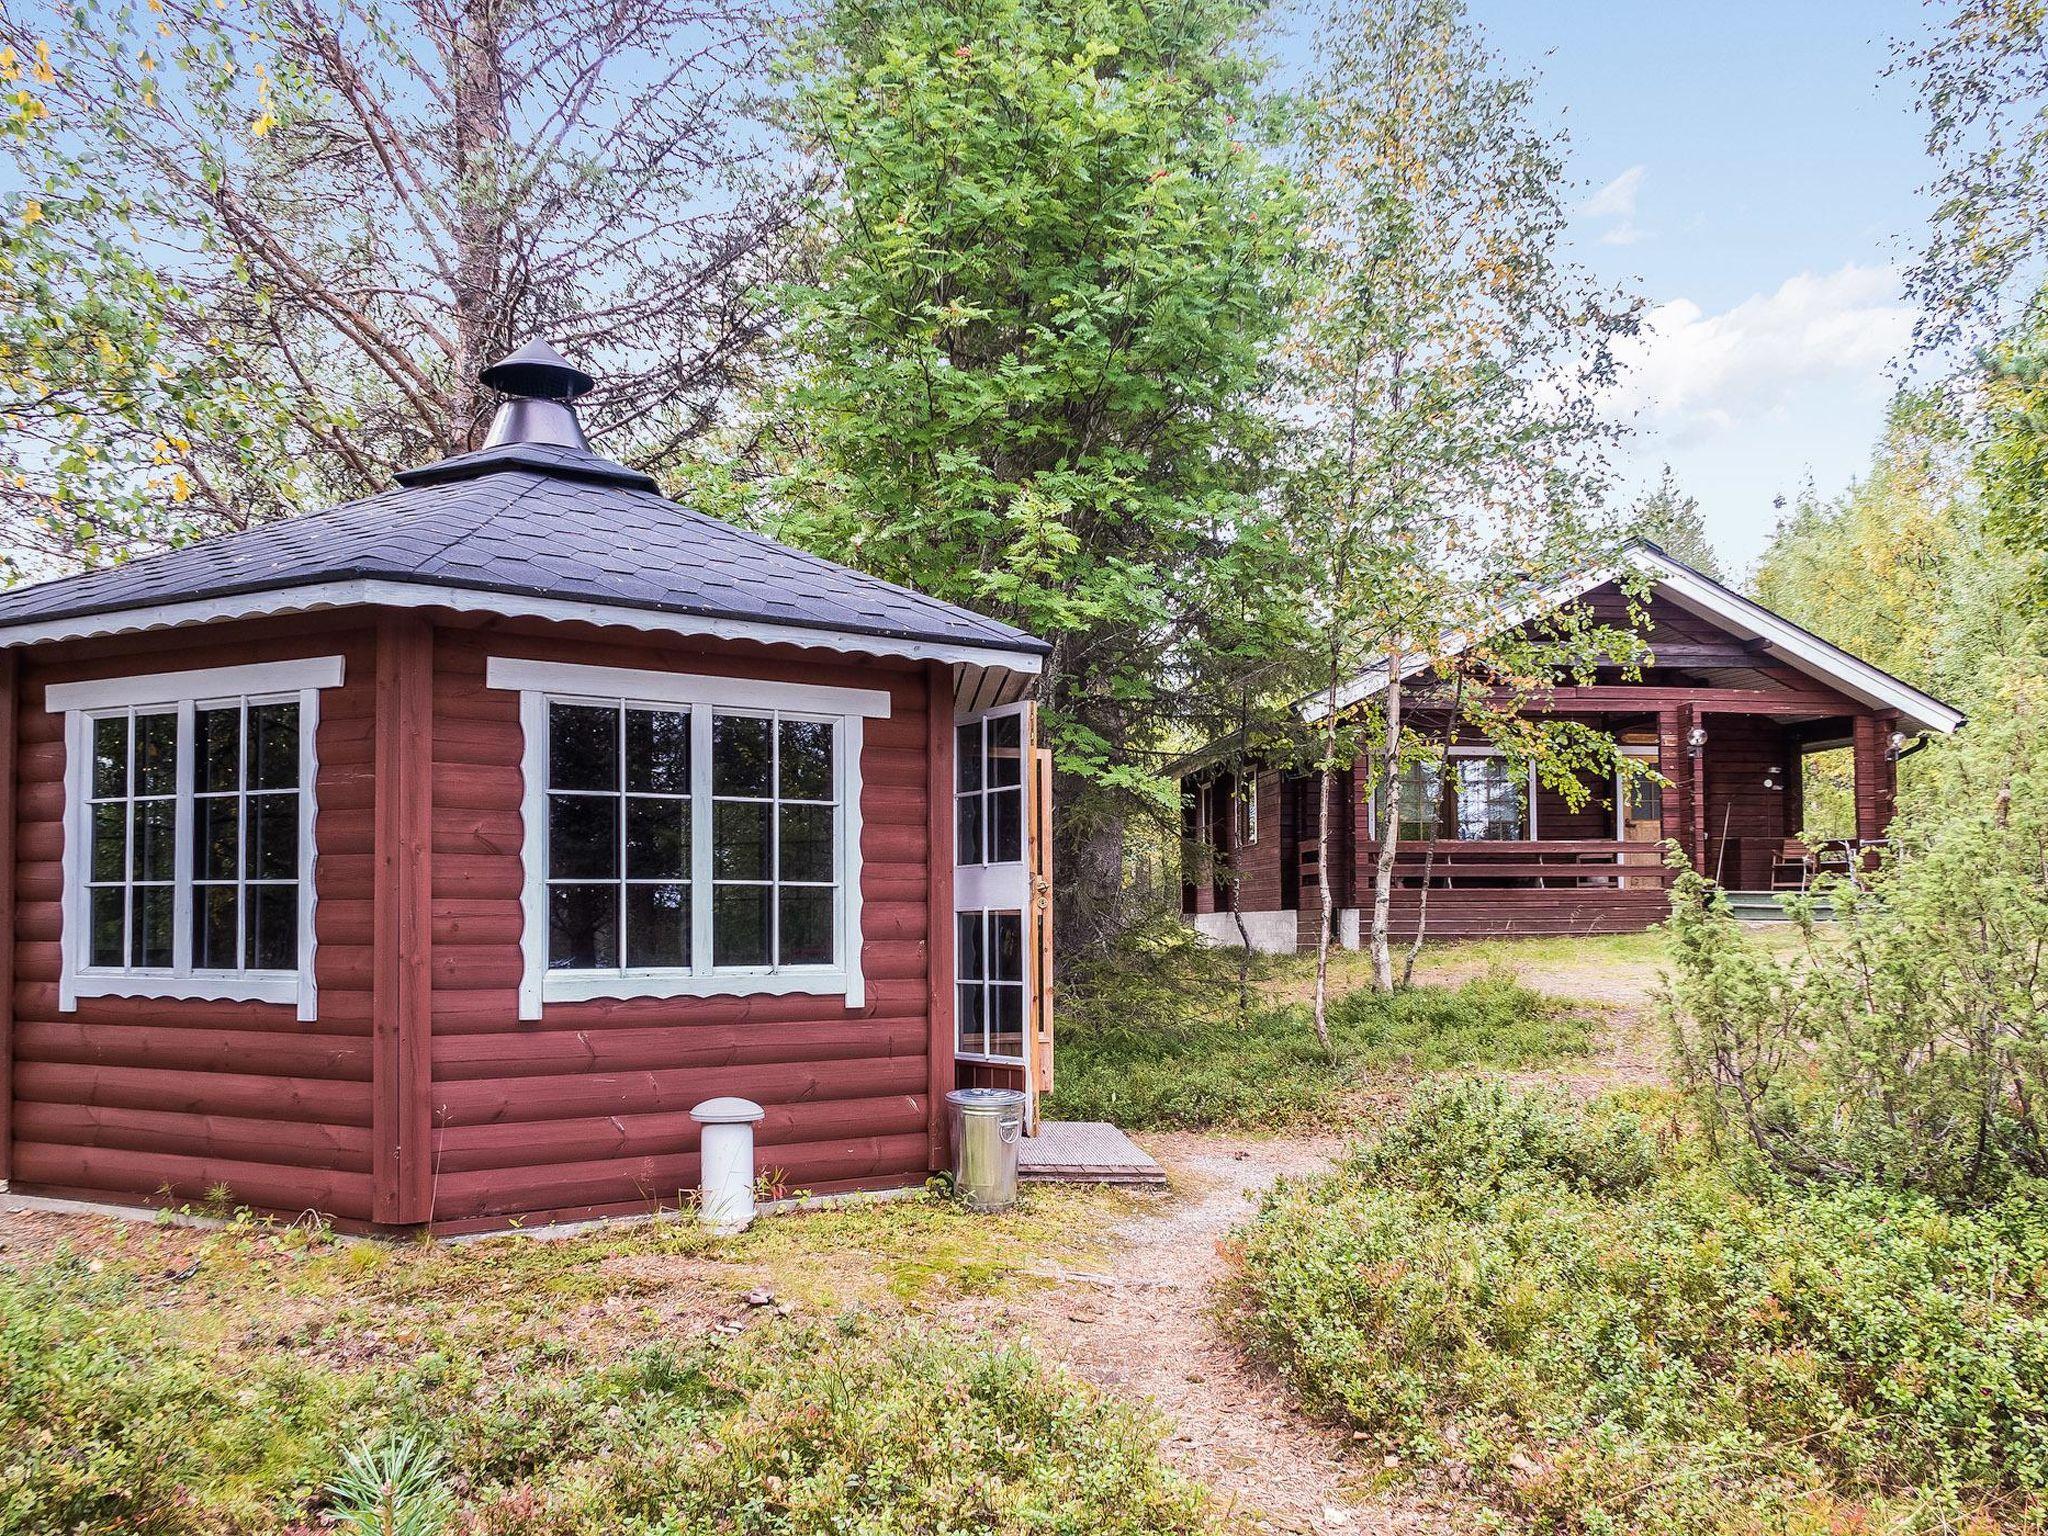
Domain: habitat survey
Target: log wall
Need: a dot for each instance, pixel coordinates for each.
(139, 1099)
(586, 1111)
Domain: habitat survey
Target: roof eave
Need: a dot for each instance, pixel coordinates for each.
(339, 592)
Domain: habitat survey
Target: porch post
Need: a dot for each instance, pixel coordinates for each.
(1876, 776)
(1697, 768)
(1676, 770)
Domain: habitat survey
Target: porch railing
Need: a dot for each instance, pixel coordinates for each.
(1544, 864)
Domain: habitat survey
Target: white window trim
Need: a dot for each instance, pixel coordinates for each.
(260, 682)
(540, 682)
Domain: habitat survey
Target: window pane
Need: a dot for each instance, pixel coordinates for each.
(657, 925)
(967, 1002)
(806, 932)
(739, 925)
(149, 936)
(1005, 754)
(583, 746)
(967, 756)
(1421, 798)
(1489, 809)
(273, 918)
(110, 841)
(1006, 826)
(657, 839)
(1007, 958)
(274, 837)
(1006, 1026)
(806, 760)
(971, 962)
(216, 941)
(273, 746)
(967, 830)
(156, 754)
(739, 841)
(583, 927)
(740, 753)
(217, 751)
(658, 751)
(1645, 800)
(806, 844)
(583, 837)
(109, 759)
(215, 827)
(108, 904)
(155, 835)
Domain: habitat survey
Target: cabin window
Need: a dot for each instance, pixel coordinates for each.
(189, 833)
(989, 976)
(1422, 794)
(688, 835)
(1489, 801)
(988, 798)
(1247, 811)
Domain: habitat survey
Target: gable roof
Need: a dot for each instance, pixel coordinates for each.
(528, 529)
(1700, 594)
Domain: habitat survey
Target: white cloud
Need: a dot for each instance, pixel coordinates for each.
(1693, 374)
(1616, 202)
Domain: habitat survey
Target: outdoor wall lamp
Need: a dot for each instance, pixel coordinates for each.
(1696, 740)
(1897, 743)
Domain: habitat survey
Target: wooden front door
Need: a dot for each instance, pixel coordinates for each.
(1642, 821)
(1002, 903)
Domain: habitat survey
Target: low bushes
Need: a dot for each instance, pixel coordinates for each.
(1164, 1049)
(1582, 1314)
(109, 1424)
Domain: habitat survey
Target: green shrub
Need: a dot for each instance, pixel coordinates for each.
(1910, 1046)
(1162, 1049)
(109, 1424)
(1609, 1332)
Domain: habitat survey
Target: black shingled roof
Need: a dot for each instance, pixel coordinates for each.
(535, 520)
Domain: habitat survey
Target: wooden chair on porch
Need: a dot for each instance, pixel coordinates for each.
(1792, 866)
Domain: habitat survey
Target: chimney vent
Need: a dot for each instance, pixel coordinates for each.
(538, 385)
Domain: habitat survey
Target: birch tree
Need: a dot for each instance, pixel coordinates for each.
(1450, 368)
(256, 251)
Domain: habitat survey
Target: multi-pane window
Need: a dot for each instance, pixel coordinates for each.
(619, 833)
(1422, 794)
(194, 809)
(132, 820)
(1489, 801)
(631, 792)
(989, 975)
(774, 838)
(988, 775)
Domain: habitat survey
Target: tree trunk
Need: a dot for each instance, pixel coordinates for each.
(480, 129)
(1429, 854)
(1389, 835)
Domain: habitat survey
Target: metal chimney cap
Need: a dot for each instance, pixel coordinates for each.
(538, 372)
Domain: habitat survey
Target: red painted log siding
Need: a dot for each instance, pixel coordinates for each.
(130, 1099)
(586, 1110)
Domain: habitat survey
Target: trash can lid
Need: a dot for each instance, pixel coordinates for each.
(727, 1112)
(985, 1098)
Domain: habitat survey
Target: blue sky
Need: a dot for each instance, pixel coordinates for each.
(1750, 171)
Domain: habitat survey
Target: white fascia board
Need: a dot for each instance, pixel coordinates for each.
(1709, 599)
(327, 595)
(1802, 648)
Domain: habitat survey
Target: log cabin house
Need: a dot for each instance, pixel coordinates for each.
(422, 861)
(1730, 701)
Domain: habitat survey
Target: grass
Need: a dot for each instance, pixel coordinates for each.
(1579, 1314)
(1154, 1041)
(258, 1378)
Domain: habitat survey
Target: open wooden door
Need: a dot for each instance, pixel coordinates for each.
(1002, 903)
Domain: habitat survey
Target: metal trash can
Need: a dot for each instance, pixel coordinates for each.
(986, 1125)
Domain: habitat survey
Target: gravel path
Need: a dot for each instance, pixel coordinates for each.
(1146, 1328)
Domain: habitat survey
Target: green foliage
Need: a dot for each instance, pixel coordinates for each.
(1671, 520)
(110, 1423)
(1051, 267)
(2012, 460)
(1150, 1038)
(1910, 1046)
(1609, 1334)
(396, 1488)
